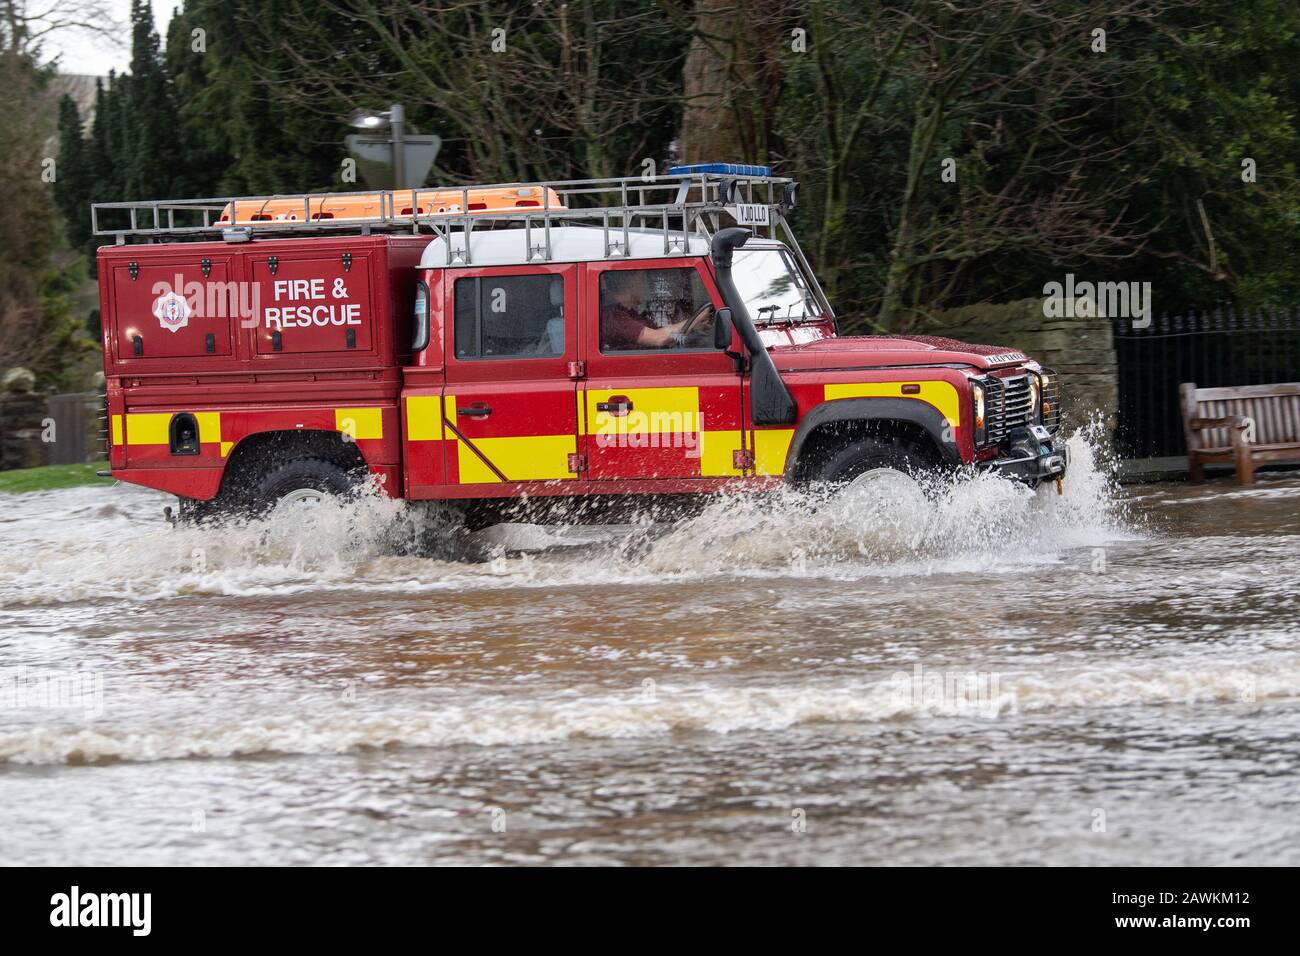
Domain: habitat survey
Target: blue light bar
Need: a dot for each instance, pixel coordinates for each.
(721, 169)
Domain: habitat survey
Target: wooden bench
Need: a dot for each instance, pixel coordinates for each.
(1245, 425)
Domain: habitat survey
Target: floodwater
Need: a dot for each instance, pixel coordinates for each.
(1105, 677)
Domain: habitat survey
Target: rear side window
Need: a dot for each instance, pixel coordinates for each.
(420, 334)
(509, 317)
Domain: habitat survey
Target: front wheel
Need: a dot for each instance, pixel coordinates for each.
(883, 467)
(872, 454)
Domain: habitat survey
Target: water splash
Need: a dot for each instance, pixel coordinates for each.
(417, 719)
(979, 520)
(109, 542)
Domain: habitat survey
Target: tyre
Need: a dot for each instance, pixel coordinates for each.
(302, 482)
(888, 464)
(859, 457)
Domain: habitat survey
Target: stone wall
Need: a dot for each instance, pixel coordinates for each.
(1080, 350)
(20, 431)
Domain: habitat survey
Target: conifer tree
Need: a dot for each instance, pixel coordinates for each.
(72, 187)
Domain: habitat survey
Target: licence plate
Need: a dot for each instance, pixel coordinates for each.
(749, 214)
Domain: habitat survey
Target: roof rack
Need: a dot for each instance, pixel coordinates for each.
(683, 202)
(690, 200)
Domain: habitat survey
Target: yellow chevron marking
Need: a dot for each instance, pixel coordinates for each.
(942, 395)
(519, 458)
(717, 459)
(360, 423)
(770, 449)
(654, 411)
(423, 421)
(153, 428)
(471, 468)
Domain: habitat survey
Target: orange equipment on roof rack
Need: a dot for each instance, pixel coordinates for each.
(376, 205)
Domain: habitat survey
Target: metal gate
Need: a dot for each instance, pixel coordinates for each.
(76, 427)
(1215, 348)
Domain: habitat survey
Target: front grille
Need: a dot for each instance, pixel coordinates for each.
(1007, 405)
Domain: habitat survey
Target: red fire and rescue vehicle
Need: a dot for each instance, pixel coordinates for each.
(620, 337)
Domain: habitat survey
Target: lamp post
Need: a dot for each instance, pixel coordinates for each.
(397, 127)
(409, 155)
(394, 120)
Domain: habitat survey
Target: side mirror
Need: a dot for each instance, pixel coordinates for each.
(722, 329)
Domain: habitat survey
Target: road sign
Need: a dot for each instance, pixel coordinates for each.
(375, 159)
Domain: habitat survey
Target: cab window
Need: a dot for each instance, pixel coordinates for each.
(509, 316)
(654, 309)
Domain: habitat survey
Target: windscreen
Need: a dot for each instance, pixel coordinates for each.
(772, 287)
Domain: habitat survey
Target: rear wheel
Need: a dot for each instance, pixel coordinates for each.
(302, 483)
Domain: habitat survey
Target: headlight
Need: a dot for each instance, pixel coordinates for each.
(1035, 398)
(1044, 381)
(977, 396)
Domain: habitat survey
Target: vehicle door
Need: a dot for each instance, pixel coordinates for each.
(657, 404)
(509, 403)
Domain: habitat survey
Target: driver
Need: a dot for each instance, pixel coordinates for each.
(625, 322)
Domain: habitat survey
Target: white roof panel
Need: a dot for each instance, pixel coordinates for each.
(499, 247)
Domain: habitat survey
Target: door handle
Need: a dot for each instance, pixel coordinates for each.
(618, 405)
(477, 410)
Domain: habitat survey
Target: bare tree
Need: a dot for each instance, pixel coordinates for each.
(27, 23)
(35, 330)
(523, 90)
(733, 76)
(996, 106)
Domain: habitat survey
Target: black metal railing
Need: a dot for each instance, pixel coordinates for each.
(1219, 347)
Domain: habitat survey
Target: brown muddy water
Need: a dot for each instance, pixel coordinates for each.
(1107, 677)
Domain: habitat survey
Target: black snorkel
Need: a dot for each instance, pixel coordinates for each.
(770, 400)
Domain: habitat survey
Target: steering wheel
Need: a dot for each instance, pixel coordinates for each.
(706, 310)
